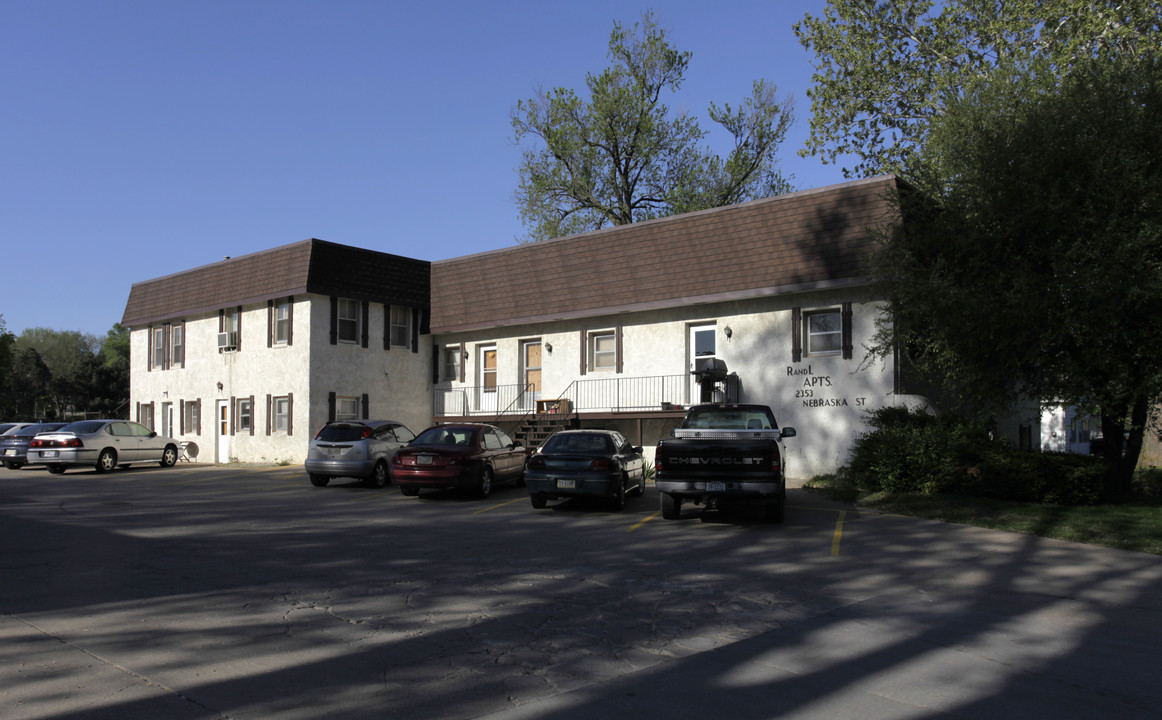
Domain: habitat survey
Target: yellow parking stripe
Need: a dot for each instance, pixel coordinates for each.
(838, 533)
(510, 502)
(644, 521)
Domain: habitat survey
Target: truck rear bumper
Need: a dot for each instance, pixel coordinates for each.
(722, 489)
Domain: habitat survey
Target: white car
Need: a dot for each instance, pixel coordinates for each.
(103, 444)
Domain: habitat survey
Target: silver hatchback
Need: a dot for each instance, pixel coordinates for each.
(355, 448)
(103, 444)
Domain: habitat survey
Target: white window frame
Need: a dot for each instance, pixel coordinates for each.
(452, 361)
(348, 316)
(281, 322)
(599, 355)
(158, 358)
(346, 408)
(400, 326)
(245, 415)
(177, 355)
(281, 412)
(811, 336)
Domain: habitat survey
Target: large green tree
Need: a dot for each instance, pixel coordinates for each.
(68, 356)
(1031, 263)
(622, 156)
(885, 69)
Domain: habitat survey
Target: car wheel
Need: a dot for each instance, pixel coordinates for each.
(13, 465)
(169, 456)
(485, 488)
(56, 469)
(378, 476)
(320, 480)
(410, 491)
(539, 502)
(107, 460)
(619, 494)
(671, 507)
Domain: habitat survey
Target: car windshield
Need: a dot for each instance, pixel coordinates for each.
(43, 427)
(445, 436)
(733, 418)
(341, 433)
(84, 427)
(578, 443)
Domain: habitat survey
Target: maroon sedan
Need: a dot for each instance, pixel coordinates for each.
(468, 455)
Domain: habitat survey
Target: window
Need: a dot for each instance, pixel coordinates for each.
(824, 333)
(245, 415)
(603, 352)
(281, 414)
(230, 325)
(145, 414)
(282, 321)
(400, 326)
(191, 422)
(346, 408)
(348, 320)
(177, 354)
(158, 344)
(452, 363)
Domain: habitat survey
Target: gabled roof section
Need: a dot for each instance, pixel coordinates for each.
(310, 266)
(801, 241)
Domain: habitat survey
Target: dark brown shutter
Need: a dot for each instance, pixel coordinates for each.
(253, 413)
(290, 413)
(290, 320)
(463, 362)
(617, 348)
(796, 335)
(181, 417)
(184, 343)
(415, 330)
(199, 417)
(847, 344)
(366, 406)
(584, 351)
(436, 358)
(366, 317)
(330, 407)
(334, 320)
(233, 414)
(269, 411)
(386, 326)
(270, 315)
(148, 351)
(238, 340)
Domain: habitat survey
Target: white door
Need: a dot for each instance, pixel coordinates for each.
(222, 421)
(702, 347)
(486, 378)
(167, 419)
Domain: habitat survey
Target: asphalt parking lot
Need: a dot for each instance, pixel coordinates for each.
(226, 592)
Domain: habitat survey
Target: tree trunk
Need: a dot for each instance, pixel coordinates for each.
(1124, 430)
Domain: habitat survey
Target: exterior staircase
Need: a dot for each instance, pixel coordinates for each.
(535, 429)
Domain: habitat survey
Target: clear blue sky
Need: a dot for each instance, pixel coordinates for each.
(139, 138)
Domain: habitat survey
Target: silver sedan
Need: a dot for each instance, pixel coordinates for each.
(103, 444)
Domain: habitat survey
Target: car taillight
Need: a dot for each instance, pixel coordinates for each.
(602, 464)
(70, 443)
(657, 465)
(537, 463)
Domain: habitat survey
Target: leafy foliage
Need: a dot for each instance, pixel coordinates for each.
(910, 452)
(49, 373)
(622, 156)
(886, 70)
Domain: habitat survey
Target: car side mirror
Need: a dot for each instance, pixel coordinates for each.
(516, 444)
(637, 449)
(787, 432)
(152, 434)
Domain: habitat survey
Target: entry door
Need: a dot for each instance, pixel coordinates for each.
(486, 378)
(702, 347)
(222, 420)
(167, 419)
(532, 373)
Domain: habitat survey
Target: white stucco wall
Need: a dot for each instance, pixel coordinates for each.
(395, 380)
(823, 397)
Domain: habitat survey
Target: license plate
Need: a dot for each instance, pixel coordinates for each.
(334, 452)
(714, 486)
(423, 459)
(10, 451)
(566, 484)
(48, 453)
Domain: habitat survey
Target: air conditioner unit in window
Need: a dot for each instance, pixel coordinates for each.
(227, 340)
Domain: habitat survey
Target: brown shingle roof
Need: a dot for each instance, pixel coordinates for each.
(804, 240)
(310, 266)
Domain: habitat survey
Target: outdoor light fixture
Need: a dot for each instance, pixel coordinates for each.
(219, 386)
(728, 331)
(465, 354)
(549, 347)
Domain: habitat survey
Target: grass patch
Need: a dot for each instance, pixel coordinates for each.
(1127, 524)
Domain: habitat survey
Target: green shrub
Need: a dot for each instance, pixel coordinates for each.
(911, 452)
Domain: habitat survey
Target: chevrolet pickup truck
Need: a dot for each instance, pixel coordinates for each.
(724, 454)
